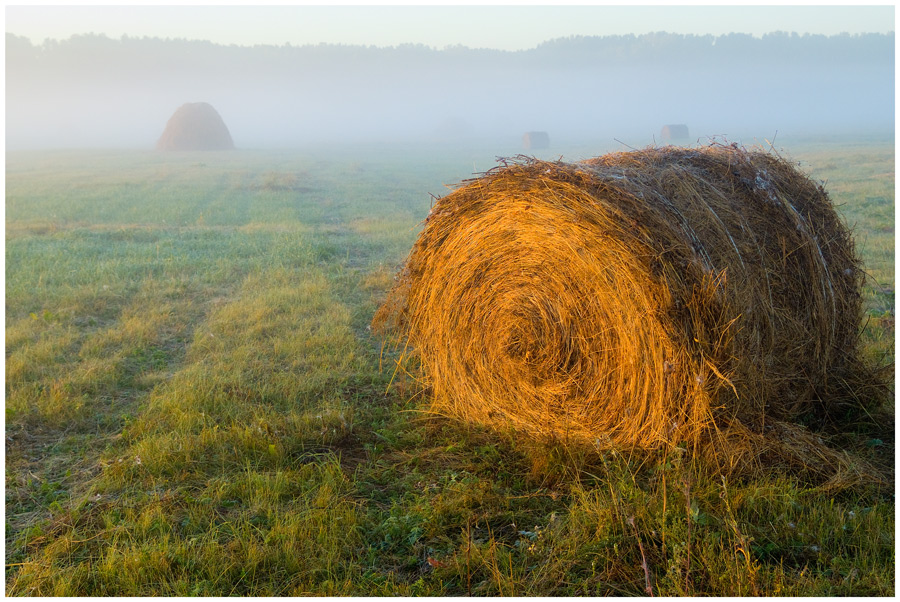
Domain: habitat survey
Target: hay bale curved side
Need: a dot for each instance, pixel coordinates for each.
(636, 299)
(195, 126)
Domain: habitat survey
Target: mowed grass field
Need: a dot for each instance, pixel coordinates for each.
(195, 404)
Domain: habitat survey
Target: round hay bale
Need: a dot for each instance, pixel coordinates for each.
(674, 131)
(195, 126)
(535, 140)
(638, 299)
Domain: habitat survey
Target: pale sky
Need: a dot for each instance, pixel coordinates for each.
(506, 27)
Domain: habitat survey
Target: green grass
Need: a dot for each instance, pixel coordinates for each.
(194, 404)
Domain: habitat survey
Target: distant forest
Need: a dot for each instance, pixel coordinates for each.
(91, 90)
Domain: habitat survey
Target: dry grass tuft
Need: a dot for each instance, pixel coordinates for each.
(640, 299)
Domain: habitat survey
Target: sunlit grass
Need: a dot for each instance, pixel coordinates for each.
(194, 405)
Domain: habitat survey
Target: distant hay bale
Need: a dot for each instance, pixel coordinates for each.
(452, 129)
(675, 131)
(639, 299)
(535, 140)
(195, 126)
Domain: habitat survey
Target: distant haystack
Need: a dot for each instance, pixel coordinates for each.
(535, 140)
(195, 126)
(676, 131)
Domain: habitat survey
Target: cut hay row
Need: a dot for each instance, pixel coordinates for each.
(640, 299)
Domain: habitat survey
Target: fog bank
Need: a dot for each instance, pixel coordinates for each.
(92, 91)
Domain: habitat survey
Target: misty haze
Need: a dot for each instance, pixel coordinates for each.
(612, 316)
(91, 91)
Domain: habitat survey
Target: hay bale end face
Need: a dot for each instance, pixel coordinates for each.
(637, 299)
(195, 126)
(535, 140)
(677, 131)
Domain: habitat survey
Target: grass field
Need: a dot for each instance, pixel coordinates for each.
(195, 405)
